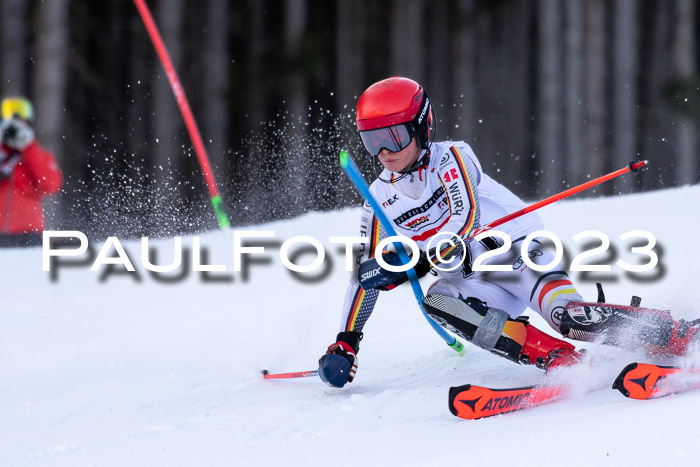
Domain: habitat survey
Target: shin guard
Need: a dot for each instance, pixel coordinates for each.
(492, 330)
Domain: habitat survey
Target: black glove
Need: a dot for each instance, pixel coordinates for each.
(339, 364)
(372, 276)
(16, 133)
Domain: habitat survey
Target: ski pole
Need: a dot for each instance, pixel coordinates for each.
(295, 374)
(185, 110)
(355, 176)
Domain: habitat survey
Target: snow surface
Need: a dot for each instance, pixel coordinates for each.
(139, 372)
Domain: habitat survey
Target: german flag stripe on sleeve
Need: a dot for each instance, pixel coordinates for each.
(358, 299)
(355, 309)
(374, 235)
(469, 224)
(471, 219)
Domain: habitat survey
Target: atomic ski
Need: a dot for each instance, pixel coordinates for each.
(647, 381)
(474, 402)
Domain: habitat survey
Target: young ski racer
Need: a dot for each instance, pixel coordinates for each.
(436, 191)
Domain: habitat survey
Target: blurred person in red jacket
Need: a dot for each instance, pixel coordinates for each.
(28, 172)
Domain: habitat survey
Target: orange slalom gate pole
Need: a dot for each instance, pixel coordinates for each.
(632, 167)
(185, 110)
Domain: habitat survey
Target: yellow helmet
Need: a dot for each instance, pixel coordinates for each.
(17, 107)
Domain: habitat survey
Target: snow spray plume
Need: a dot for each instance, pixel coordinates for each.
(120, 195)
(286, 166)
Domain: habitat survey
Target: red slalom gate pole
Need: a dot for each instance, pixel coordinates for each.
(632, 167)
(185, 110)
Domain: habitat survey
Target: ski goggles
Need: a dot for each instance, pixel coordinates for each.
(393, 138)
(16, 107)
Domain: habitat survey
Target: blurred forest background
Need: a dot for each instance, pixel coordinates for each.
(547, 92)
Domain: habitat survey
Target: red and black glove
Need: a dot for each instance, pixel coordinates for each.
(339, 364)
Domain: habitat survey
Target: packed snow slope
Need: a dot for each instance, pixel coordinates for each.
(115, 368)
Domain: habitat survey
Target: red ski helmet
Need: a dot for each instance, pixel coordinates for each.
(395, 101)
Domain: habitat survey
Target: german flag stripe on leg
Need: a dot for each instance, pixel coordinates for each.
(558, 287)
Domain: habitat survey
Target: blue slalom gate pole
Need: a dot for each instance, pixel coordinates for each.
(355, 177)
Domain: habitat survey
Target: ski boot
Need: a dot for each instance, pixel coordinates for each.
(629, 326)
(493, 330)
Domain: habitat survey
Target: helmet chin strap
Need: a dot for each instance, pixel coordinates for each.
(421, 161)
(423, 157)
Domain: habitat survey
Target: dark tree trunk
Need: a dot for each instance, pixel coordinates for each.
(624, 82)
(550, 163)
(13, 47)
(595, 77)
(49, 80)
